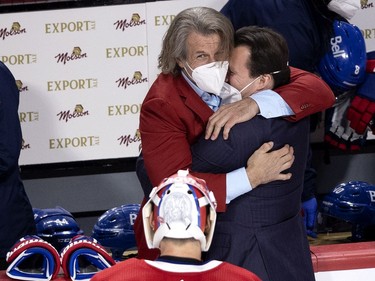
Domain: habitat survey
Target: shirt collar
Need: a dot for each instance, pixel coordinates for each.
(195, 87)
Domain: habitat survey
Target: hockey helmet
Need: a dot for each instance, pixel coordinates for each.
(343, 66)
(56, 226)
(353, 202)
(180, 206)
(114, 229)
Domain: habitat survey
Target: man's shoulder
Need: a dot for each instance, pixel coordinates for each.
(296, 73)
(167, 85)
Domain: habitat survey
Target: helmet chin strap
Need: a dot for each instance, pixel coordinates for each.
(181, 230)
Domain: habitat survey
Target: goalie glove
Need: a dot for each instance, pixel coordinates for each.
(32, 258)
(362, 108)
(83, 257)
(360, 114)
(340, 134)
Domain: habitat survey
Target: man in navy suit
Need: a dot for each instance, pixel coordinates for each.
(261, 230)
(306, 25)
(17, 218)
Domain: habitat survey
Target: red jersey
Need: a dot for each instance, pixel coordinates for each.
(137, 269)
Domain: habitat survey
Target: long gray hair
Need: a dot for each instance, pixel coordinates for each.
(202, 20)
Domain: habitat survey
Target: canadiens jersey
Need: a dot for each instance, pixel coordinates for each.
(137, 269)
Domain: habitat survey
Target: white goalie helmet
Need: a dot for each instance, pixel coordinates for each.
(180, 207)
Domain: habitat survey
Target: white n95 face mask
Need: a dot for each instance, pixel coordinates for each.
(210, 77)
(345, 8)
(230, 94)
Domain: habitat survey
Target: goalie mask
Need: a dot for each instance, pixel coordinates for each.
(343, 66)
(353, 202)
(180, 207)
(114, 229)
(56, 225)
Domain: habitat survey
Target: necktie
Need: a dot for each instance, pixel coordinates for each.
(213, 101)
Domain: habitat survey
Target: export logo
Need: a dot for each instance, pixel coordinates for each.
(76, 54)
(73, 26)
(120, 52)
(74, 142)
(134, 21)
(75, 84)
(14, 30)
(126, 81)
(27, 117)
(163, 20)
(123, 109)
(19, 59)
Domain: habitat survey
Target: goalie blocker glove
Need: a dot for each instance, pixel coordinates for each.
(338, 133)
(32, 258)
(362, 108)
(83, 257)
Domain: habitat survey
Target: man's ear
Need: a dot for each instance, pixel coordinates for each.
(151, 221)
(180, 63)
(265, 82)
(208, 224)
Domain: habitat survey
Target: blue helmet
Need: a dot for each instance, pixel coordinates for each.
(56, 226)
(344, 64)
(353, 202)
(114, 229)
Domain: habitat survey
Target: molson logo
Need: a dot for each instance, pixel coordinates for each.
(365, 4)
(126, 81)
(128, 139)
(75, 55)
(77, 112)
(73, 26)
(27, 117)
(74, 142)
(120, 52)
(14, 30)
(25, 145)
(124, 24)
(19, 59)
(21, 87)
(123, 109)
(75, 84)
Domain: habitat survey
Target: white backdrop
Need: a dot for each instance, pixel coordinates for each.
(83, 74)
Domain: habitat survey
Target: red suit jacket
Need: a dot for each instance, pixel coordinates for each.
(173, 116)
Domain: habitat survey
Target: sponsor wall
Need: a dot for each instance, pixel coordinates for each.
(83, 74)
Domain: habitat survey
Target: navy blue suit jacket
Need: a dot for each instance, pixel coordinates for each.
(17, 218)
(296, 20)
(261, 230)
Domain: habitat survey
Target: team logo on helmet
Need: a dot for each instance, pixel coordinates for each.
(56, 225)
(344, 64)
(114, 229)
(353, 202)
